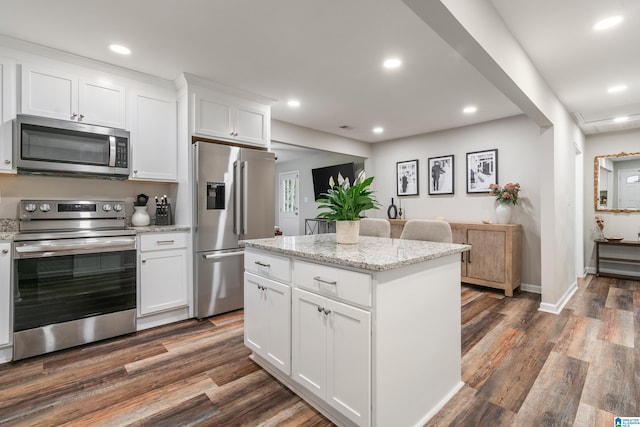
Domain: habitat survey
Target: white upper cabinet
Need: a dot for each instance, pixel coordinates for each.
(154, 137)
(7, 113)
(230, 118)
(64, 95)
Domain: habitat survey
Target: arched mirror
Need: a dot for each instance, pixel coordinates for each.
(616, 181)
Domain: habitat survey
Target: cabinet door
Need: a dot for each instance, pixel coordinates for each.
(349, 361)
(213, 117)
(154, 139)
(163, 281)
(459, 235)
(5, 293)
(487, 257)
(102, 104)
(308, 342)
(49, 93)
(7, 113)
(252, 125)
(255, 313)
(278, 302)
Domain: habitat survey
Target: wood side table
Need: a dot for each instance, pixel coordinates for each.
(622, 243)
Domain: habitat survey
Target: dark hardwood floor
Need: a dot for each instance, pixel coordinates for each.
(521, 367)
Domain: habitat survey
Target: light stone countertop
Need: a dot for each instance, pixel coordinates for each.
(370, 253)
(159, 228)
(8, 228)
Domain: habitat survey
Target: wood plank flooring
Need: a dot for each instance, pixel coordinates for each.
(521, 367)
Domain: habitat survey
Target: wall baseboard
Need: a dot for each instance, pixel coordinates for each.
(557, 308)
(536, 289)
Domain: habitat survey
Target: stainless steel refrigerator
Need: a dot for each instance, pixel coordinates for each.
(235, 201)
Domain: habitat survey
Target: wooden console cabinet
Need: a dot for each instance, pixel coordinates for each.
(495, 259)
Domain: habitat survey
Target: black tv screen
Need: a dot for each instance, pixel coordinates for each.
(321, 177)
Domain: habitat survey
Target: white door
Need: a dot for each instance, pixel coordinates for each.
(629, 189)
(288, 219)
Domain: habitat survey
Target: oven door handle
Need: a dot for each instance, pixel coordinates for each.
(75, 247)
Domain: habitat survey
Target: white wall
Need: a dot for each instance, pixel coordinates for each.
(17, 187)
(518, 161)
(625, 225)
(308, 206)
(477, 32)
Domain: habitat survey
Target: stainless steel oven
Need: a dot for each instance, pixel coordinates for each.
(75, 275)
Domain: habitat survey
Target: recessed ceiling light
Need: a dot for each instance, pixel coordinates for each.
(378, 129)
(470, 109)
(616, 89)
(621, 119)
(392, 63)
(119, 49)
(609, 22)
(293, 103)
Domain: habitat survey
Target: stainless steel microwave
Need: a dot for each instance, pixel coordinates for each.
(45, 146)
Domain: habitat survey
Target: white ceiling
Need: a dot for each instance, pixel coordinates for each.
(328, 54)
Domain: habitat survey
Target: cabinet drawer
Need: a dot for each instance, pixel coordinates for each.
(162, 241)
(343, 284)
(268, 265)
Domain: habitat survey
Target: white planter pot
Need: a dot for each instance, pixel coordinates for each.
(347, 232)
(140, 217)
(503, 213)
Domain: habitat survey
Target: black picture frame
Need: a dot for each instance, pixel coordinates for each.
(482, 170)
(441, 177)
(407, 178)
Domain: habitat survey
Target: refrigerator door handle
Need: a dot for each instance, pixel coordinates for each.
(245, 195)
(236, 199)
(225, 255)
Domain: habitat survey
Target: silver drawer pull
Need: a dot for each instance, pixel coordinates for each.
(261, 264)
(328, 282)
(320, 309)
(326, 311)
(165, 242)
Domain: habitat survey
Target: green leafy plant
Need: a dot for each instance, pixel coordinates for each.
(346, 202)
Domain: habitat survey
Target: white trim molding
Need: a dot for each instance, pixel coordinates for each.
(536, 289)
(557, 308)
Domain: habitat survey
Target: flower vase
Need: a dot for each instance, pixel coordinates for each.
(347, 232)
(503, 213)
(140, 217)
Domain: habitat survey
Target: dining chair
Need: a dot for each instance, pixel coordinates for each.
(375, 227)
(427, 229)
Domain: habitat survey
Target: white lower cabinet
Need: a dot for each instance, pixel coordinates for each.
(5, 294)
(163, 273)
(331, 353)
(268, 320)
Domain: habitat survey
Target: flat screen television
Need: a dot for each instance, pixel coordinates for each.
(321, 176)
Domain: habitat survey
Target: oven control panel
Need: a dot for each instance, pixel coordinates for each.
(71, 209)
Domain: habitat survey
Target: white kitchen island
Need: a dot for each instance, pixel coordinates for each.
(369, 334)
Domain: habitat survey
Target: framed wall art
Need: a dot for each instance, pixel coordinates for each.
(441, 178)
(482, 170)
(407, 178)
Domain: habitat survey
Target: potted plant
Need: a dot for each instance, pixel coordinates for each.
(345, 204)
(506, 196)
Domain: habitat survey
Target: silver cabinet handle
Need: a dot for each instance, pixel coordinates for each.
(80, 117)
(6, 162)
(328, 282)
(74, 115)
(144, 260)
(261, 264)
(5, 251)
(326, 311)
(320, 309)
(135, 171)
(165, 242)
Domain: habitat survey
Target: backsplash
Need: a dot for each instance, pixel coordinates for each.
(15, 188)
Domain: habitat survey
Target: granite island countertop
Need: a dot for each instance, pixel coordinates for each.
(370, 253)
